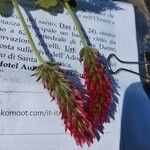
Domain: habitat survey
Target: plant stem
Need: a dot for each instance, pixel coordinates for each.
(76, 22)
(35, 50)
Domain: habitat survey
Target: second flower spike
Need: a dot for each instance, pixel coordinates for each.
(98, 86)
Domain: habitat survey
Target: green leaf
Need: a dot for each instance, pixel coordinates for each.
(6, 8)
(2, 4)
(54, 6)
(46, 4)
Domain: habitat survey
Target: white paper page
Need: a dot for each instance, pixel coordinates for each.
(35, 123)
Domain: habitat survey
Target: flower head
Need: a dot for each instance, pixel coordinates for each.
(69, 100)
(98, 86)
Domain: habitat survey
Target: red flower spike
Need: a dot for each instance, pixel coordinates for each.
(98, 86)
(70, 103)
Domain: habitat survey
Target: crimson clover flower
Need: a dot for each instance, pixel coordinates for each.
(97, 82)
(69, 100)
(98, 86)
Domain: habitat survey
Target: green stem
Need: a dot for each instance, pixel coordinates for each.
(76, 23)
(35, 50)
